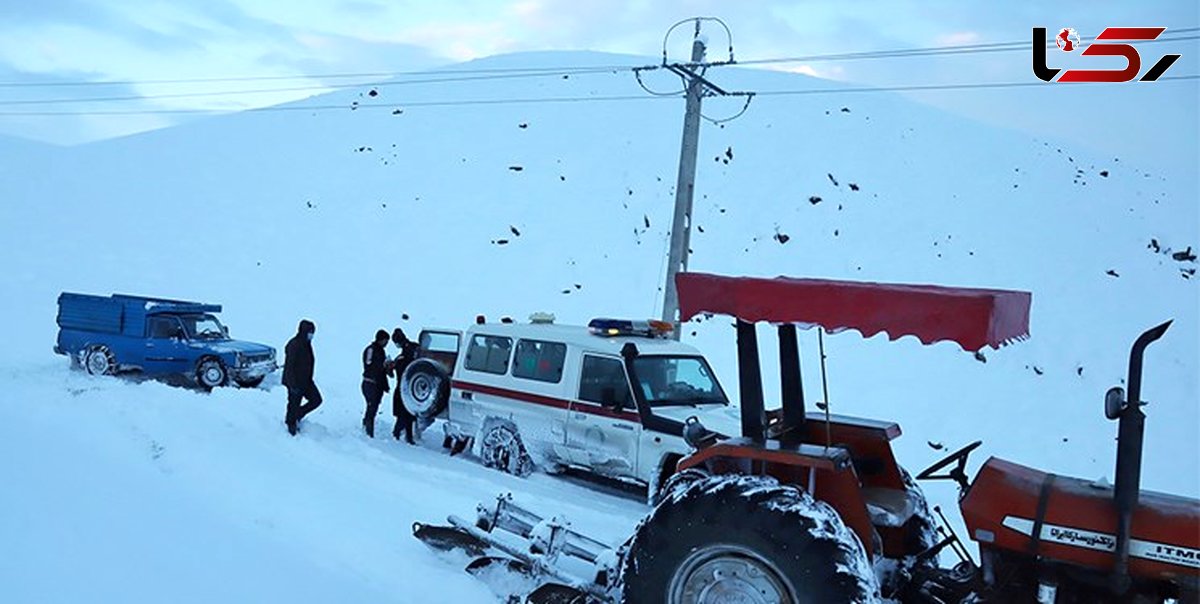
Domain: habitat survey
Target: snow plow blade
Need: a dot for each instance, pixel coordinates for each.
(486, 564)
(449, 538)
(557, 593)
(508, 578)
(524, 557)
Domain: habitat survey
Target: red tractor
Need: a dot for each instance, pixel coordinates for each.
(812, 508)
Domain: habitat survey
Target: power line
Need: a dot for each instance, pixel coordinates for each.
(550, 100)
(323, 88)
(1171, 35)
(344, 107)
(963, 86)
(745, 106)
(518, 73)
(457, 75)
(961, 49)
(637, 73)
(324, 76)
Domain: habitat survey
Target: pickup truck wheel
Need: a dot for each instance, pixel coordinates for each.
(250, 382)
(210, 373)
(501, 448)
(99, 361)
(425, 388)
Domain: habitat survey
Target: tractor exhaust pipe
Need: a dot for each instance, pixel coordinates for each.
(1129, 451)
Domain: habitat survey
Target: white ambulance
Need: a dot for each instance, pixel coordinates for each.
(610, 398)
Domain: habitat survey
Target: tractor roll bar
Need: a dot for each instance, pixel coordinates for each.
(791, 385)
(750, 392)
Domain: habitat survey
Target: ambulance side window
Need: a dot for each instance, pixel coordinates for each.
(488, 354)
(538, 360)
(602, 381)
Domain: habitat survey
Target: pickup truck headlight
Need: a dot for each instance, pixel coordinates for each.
(241, 360)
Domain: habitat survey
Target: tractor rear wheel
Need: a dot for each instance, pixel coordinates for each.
(677, 484)
(745, 539)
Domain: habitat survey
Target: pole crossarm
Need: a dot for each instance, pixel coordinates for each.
(688, 73)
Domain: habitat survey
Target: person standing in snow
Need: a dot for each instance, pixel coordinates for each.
(408, 353)
(375, 381)
(298, 364)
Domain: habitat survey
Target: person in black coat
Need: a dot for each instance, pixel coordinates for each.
(375, 381)
(298, 364)
(408, 353)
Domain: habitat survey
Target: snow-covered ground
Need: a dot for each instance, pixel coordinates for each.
(117, 491)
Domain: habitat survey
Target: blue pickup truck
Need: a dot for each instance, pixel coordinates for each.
(159, 337)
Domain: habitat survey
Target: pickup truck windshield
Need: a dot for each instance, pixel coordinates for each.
(203, 327)
(670, 381)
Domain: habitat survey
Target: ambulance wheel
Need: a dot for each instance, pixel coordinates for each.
(501, 448)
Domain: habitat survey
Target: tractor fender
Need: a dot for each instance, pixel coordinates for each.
(826, 473)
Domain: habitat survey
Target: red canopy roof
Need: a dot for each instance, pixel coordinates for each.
(972, 317)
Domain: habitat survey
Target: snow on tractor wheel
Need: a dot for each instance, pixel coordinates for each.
(677, 484)
(744, 539)
(425, 388)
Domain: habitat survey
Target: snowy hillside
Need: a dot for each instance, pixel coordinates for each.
(407, 206)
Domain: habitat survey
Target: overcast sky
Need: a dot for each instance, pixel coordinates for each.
(45, 44)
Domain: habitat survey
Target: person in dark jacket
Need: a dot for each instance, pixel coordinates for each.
(299, 362)
(408, 353)
(375, 381)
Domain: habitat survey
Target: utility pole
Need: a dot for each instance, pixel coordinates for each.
(681, 226)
